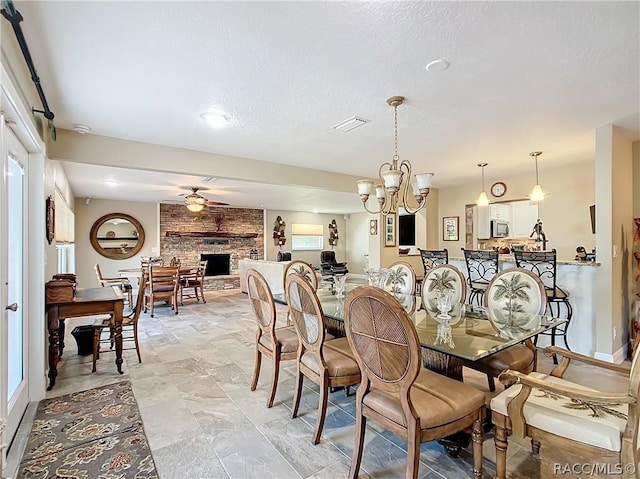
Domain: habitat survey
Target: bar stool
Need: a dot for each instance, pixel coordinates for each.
(482, 266)
(433, 257)
(543, 264)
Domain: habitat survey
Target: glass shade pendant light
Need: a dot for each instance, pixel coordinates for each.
(483, 199)
(536, 193)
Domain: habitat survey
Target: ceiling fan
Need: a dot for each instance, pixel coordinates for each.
(196, 202)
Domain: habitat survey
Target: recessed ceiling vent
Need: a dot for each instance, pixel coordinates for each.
(209, 179)
(350, 124)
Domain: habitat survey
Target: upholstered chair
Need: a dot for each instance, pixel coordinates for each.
(304, 269)
(396, 392)
(277, 344)
(445, 276)
(569, 423)
(520, 290)
(129, 329)
(401, 279)
(328, 363)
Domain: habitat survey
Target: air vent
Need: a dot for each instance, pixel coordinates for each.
(209, 179)
(350, 124)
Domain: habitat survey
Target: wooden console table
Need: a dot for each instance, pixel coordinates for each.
(86, 302)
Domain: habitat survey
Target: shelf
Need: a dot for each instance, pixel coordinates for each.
(210, 234)
(119, 238)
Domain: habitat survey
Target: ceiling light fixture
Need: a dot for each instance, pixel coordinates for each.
(195, 202)
(216, 120)
(394, 189)
(439, 65)
(536, 193)
(483, 199)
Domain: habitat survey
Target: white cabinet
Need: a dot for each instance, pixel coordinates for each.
(500, 212)
(523, 218)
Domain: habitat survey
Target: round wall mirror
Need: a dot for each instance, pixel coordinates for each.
(117, 236)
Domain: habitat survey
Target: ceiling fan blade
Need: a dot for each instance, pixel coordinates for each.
(216, 203)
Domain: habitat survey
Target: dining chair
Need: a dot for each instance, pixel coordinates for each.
(193, 281)
(304, 269)
(129, 329)
(327, 363)
(163, 286)
(123, 283)
(543, 264)
(439, 278)
(277, 344)
(433, 257)
(569, 423)
(511, 290)
(401, 279)
(482, 266)
(395, 392)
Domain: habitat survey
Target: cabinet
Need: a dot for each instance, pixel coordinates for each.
(523, 218)
(500, 212)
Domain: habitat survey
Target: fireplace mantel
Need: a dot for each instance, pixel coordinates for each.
(210, 234)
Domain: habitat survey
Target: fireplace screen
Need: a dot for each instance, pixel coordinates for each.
(217, 264)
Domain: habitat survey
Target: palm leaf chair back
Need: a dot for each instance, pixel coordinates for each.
(440, 278)
(402, 278)
(304, 269)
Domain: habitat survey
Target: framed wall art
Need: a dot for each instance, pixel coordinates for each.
(390, 230)
(450, 228)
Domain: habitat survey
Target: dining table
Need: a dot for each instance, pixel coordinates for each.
(467, 332)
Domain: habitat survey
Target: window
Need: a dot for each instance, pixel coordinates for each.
(66, 258)
(306, 237)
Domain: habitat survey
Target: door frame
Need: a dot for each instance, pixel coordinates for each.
(20, 120)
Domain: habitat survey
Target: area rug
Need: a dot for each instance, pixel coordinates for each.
(93, 434)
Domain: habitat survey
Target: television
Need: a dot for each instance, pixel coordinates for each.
(407, 230)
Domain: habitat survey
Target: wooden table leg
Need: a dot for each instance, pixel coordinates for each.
(61, 332)
(53, 356)
(118, 334)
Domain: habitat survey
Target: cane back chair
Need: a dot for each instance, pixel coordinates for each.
(279, 344)
(414, 403)
(328, 363)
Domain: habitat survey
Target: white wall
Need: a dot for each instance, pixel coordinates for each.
(357, 240)
(302, 217)
(86, 214)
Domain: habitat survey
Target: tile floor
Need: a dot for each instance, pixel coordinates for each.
(202, 421)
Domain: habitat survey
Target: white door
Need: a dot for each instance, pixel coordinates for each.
(13, 325)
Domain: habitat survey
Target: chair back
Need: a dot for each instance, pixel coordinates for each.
(306, 313)
(142, 284)
(540, 263)
(264, 308)
(445, 276)
(174, 262)
(384, 341)
(482, 265)
(284, 256)
(402, 278)
(634, 379)
(516, 290)
(163, 278)
(96, 268)
(328, 257)
(433, 257)
(303, 269)
(201, 269)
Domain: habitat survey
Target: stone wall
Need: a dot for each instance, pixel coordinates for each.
(226, 220)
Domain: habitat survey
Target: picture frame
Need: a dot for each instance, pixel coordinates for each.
(390, 230)
(451, 228)
(51, 219)
(373, 227)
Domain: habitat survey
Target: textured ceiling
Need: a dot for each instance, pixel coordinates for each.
(524, 76)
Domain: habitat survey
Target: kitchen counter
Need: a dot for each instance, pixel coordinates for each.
(508, 258)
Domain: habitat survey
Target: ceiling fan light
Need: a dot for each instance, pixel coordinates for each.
(195, 207)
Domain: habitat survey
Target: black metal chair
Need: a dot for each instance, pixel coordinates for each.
(330, 266)
(543, 264)
(433, 257)
(482, 266)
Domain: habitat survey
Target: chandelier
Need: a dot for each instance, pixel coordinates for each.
(392, 193)
(195, 202)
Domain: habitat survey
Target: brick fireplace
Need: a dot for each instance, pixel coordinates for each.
(213, 231)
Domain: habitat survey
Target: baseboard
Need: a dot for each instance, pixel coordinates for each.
(617, 357)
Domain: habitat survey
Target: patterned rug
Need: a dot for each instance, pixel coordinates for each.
(93, 434)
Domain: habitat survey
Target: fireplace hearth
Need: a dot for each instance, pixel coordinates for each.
(217, 264)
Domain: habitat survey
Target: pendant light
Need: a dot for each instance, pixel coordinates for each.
(483, 199)
(536, 193)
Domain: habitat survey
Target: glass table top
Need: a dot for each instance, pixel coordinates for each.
(471, 332)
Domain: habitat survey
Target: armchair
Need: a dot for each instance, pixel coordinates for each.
(329, 264)
(569, 423)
